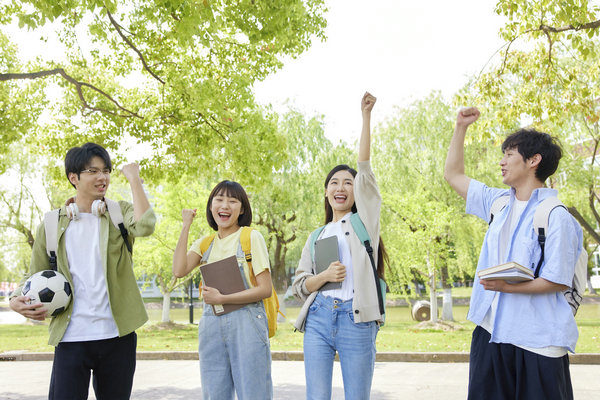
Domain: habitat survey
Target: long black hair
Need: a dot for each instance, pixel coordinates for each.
(382, 257)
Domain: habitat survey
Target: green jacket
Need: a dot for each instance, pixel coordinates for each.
(124, 295)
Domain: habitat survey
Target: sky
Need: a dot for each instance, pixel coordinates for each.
(398, 50)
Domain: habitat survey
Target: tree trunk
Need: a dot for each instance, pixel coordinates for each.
(447, 298)
(282, 308)
(278, 270)
(591, 289)
(432, 292)
(166, 307)
(447, 305)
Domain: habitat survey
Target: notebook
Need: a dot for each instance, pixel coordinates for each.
(224, 275)
(511, 271)
(326, 252)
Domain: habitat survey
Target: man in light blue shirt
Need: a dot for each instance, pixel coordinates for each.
(524, 330)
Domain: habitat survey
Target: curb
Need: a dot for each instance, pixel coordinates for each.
(456, 357)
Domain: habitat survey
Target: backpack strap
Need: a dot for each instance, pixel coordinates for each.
(246, 244)
(206, 246)
(116, 216)
(51, 228)
(497, 206)
(540, 224)
(363, 235)
(359, 228)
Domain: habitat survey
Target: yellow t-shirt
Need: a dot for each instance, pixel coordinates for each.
(227, 247)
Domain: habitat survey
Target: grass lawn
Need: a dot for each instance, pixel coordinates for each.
(399, 333)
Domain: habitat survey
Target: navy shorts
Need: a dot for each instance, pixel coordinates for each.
(500, 371)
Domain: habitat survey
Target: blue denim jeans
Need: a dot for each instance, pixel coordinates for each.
(330, 327)
(235, 355)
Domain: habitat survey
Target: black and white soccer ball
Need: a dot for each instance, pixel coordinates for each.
(50, 288)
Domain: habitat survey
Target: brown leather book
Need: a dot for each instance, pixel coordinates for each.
(225, 276)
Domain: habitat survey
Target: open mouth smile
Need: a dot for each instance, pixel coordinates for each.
(340, 198)
(224, 216)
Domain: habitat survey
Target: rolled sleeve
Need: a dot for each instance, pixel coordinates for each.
(480, 198)
(142, 227)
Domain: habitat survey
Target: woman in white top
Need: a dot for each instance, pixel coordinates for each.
(344, 319)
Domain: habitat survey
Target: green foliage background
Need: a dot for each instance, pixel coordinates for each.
(174, 78)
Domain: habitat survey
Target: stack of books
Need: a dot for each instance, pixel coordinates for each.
(511, 271)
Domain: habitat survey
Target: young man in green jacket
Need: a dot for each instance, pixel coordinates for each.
(97, 330)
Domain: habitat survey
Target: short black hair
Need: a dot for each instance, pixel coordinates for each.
(530, 142)
(78, 158)
(235, 190)
(328, 209)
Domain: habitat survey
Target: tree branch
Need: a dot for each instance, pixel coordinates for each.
(290, 239)
(547, 30)
(19, 227)
(164, 243)
(214, 128)
(586, 26)
(508, 48)
(549, 47)
(78, 86)
(590, 230)
(130, 44)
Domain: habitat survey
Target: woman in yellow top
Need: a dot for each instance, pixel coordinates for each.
(234, 350)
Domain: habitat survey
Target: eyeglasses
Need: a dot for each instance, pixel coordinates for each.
(96, 171)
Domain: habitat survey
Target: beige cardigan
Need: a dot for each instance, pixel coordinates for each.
(365, 303)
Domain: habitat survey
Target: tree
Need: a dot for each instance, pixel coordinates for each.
(173, 75)
(154, 255)
(420, 230)
(20, 106)
(285, 205)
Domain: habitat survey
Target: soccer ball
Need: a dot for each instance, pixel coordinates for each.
(50, 288)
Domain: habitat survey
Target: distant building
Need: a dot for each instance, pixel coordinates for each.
(149, 288)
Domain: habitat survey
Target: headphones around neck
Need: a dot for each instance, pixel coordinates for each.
(98, 209)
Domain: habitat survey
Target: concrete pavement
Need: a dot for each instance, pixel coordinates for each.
(175, 375)
(180, 379)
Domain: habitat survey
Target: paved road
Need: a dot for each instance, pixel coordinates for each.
(178, 380)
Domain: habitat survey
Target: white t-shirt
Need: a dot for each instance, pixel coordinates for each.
(91, 318)
(346, 292)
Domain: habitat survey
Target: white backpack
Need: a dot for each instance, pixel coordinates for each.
(573, 294)
(51, 228)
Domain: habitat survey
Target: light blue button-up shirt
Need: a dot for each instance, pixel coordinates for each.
(531, 320)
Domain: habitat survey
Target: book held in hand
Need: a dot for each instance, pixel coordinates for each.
(225, 276)
(326, 252)
(510, 272)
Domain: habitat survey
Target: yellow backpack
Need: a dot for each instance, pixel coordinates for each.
(271, 303)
